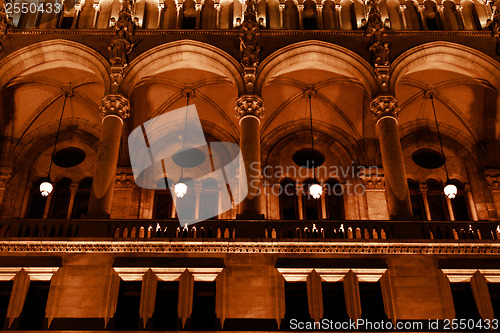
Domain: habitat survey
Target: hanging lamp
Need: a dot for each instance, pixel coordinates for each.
(450, 190)
(315, 189)
(180, 188)
(46, 186)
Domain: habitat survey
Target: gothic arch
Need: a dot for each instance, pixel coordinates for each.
(318, 54)
(54, 53)
(174, 55)
(448, 56)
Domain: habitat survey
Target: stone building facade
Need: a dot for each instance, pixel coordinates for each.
(397, 98)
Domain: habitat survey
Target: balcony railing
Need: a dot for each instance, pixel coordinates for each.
(236, 229)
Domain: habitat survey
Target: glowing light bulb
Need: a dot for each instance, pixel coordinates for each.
(180, 189)
(450, 191)
(316, 191)
(46, 188)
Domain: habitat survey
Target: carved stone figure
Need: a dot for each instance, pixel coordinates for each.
(125, 21)
(249, 48)
(376, 30)
(494, 26)
(119, 48)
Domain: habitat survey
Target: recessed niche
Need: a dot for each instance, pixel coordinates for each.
(308, 157)
(428, 158)
(69, 157)
(189, 157)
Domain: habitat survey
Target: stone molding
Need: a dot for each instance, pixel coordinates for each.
(442, 248)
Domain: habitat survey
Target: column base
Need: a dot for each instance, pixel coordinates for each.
(250, 216)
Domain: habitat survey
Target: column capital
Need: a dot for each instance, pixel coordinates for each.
(492, 176)
(115, 105)
(124, 177)
(249, 105)
(423, 189)
(384, 106)
(373, 180)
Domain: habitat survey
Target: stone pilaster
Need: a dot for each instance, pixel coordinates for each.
(114, 109)
(249, 109)
(374, 183)
(385, 110)
(492, 176)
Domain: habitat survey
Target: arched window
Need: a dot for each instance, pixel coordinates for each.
(330, 16)
(208, 15)
(226, 14)
(309, 15)
(310, 206)
(437, 201)
(412, 15)
(59, 203)
(417, 204)
(162, 208)
(290, 16)
(288, 199)
(209, 199)
(459, 203)
(273, 20)
(82, 198)
(431, 15)
(189, 15)
(37, 202)
(334, 200)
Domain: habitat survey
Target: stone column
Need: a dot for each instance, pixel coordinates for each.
(161, 7)
(282, 10)
(385, 109)
(198, 7)
(249, 108)
(300, 9)
(319, 11)
(423, 192)
(73, 190)
(472, 204)
(114, 109)
(179, 14)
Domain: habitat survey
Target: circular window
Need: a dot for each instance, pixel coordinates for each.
(428, 158)
(68, 157)
(189, 157)
(307, 158)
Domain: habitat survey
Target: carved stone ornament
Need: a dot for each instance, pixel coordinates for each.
(493, 178)
(494, 27)
(249, 48)
(4, 21)
(249, 105)
(124, 177)
(249, 77)
(382, 74)
(116, 77)
(121, 45)
(373, 180)
(384, 106)
(115, 105)
(377, 30)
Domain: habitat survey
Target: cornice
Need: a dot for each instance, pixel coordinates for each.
(236, 32)
(221, 247)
